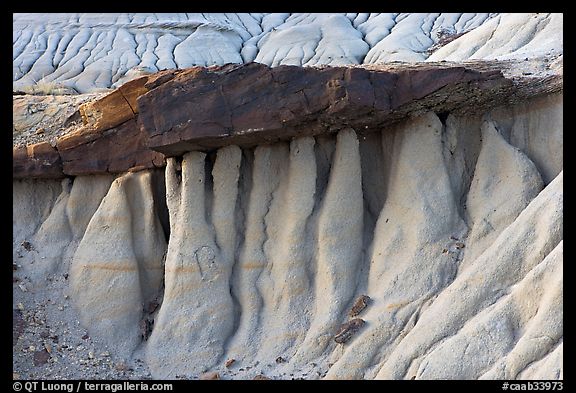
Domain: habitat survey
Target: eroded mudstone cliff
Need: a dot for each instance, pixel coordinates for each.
(268, 248)
(392, 221)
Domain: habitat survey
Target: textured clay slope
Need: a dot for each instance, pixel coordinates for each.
(453, 229)
(90, 52)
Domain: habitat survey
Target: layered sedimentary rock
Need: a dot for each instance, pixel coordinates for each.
(172, 112)
(252, 104)
(116, 150)
(40, 160)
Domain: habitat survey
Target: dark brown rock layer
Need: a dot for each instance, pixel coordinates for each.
(119, 149)
(37, 161)
(253, 103)
(171, 112)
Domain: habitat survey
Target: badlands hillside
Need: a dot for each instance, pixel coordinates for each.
(288, 196)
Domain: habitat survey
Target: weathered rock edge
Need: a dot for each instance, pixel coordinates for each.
(202, 108)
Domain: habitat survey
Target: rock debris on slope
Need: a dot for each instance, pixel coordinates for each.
(429, 248)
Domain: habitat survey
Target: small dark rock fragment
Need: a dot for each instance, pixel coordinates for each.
(261, 378)
(280, 359)
(229, 363)
(209, 376)
(359, 305)
(348, 329)
(27, 246)
(41, 357)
